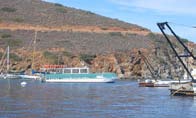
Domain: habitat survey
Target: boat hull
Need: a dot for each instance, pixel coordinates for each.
(29, 76)
(9, 76)
(81, 78)
(86, 80)
(145, 84)
(160, 83)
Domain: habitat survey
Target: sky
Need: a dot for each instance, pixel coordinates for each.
(181, 14)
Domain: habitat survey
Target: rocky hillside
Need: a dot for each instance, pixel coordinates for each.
(75, 37)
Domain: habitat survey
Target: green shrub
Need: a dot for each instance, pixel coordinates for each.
(87, 58)
(53, 58)
(1, 54)
(68, 54)
(15, 57)
(58, 5)
(151, 36)
(48, 54)
(6, 36)
(13, 42)
(184, 40)
(162, 61)
(91, 13)
(115, 34)
(19, 20)
(104, 28)
(61, 10)
(8, 9)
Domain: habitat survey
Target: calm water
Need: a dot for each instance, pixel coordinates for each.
(123, 99)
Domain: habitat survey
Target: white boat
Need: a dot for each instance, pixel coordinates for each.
(166, 83)
(81, 80)
(184, 88)
(187, 88)
(7, 75)
(159, 83)
(36, 77)
(77, 74)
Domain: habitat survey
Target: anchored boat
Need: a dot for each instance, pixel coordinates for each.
(60, 73)
(7, 74)
(160, 83)
(157, 81)
(180, 88)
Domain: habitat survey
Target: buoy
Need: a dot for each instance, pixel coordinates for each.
(23, 84)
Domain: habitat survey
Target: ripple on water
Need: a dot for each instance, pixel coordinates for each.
(123, 99)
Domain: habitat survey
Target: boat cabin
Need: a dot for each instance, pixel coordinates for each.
(65, 70)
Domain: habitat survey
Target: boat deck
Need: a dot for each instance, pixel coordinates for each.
(175, 92)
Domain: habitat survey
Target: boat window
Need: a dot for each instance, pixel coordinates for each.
(67, 71)
(75, 71)
(59, 70)
(83, 70)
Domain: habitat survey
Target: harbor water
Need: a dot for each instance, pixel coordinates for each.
(122, 99)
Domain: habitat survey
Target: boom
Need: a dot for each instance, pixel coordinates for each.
(162, 27)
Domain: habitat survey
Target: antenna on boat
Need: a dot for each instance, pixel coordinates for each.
(34, 48)
(2, 62)
(8, 59)
(162, 26)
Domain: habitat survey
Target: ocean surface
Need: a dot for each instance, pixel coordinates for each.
(122, 99)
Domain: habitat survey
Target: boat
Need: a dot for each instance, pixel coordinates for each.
(60, 73)
(33, 74)
(25, 76)
(159, 83)
(183, 89)
(180, 88)
(7, 74)
(156, 80)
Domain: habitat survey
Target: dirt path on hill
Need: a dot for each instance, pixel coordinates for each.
(95, 29)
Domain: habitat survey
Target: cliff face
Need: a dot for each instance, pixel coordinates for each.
(75, 38)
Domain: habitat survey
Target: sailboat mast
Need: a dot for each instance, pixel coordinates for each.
(8, 58)
(34, 48)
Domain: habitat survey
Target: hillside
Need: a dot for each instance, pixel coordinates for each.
(37, 12)
(60, 26)
(71, 36)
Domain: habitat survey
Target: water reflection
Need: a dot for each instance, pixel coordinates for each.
(123, 99)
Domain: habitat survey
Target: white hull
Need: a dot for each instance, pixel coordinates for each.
(84, 80)
(30, 76)
(160, 83)
(170, 81)
(8, 76)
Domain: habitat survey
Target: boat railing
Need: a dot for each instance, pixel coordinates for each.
(75, 70)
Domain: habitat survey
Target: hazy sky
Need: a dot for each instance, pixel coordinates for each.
(145, 13)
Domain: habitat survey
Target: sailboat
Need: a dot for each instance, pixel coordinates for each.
(157, 80)
(7, 74)
(32, 75)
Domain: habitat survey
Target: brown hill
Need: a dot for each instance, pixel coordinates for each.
(60, 26)
(37, 12)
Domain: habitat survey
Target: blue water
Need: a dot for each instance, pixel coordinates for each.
(123, 99)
